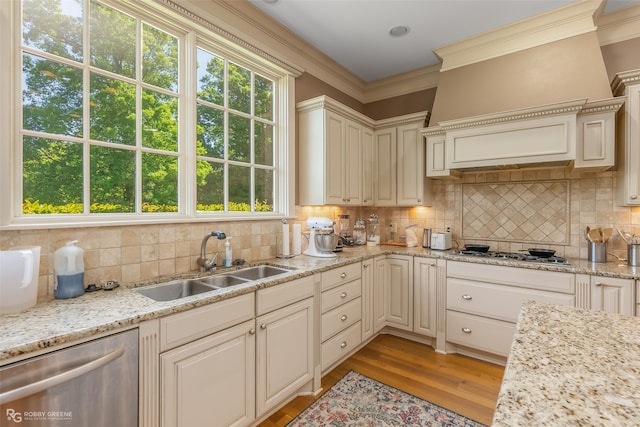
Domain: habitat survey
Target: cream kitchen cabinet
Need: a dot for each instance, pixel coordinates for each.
(284, 341)
(424, 296)
(483, 302)
(368, 283)
(207, 365)
(381, 268)
(332, 141)
(399, 162)
(393, 295)
(595, 133)
(612, 295)
(628, 137)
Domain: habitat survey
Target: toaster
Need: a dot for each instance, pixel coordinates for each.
(441, 241)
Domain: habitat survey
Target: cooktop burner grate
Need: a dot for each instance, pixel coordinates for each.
(515, 256)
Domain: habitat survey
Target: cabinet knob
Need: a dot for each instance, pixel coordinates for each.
(343, 275)
(365, 265)
(467, 297)
(466, 330)
(343, 345)
(343, 295)
(252, 331)
(634, 196)
(344, 317)
(599, 284)
(263, 326)
(419, 200)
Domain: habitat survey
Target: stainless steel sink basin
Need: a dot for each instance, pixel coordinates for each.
(258, 272)
(176, 289)
(222, 281)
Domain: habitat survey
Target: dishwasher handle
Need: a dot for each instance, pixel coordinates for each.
(38, 386)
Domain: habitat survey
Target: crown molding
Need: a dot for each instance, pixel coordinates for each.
(568, 21)
(402, 84)
(619, 25)
(622, 80)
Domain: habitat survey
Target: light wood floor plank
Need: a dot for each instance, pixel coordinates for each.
(462, 384)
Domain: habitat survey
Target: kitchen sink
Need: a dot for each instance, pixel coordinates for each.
(175, 290)
(222, 281)
(258, 272)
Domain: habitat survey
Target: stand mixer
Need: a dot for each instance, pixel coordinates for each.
(322, 240)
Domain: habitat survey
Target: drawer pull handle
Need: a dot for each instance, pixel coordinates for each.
(343, 275)
(467, 297)
(343, 295)
(466, 330)
(344, 317)
(599, 284)
(263, 326)
(343, 345)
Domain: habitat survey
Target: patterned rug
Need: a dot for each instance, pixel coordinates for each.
(357, 400)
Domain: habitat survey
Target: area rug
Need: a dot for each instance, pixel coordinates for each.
(357, 400)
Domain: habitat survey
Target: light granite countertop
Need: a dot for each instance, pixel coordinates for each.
(56, 322)
(571, 367)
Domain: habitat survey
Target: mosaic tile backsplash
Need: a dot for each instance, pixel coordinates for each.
(530, 212)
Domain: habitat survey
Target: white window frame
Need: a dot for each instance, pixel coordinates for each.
(11, 216)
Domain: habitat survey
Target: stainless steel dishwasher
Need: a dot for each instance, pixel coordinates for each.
(90, 384)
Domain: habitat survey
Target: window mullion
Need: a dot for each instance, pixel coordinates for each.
(86, 111)
(187, 133)
(138, 167)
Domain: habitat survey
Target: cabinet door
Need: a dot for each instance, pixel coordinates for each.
(385, 167)
(629, 181)
(411, 176)
(399, 305)
(368, 175)
(367, 298)
(353, 164)
(210, 380)
(424, 296)
(334, 158)
(380, 290)
(284, 353)
(612, 295)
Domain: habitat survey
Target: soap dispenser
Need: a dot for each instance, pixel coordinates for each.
(68, 263)
(228, 257)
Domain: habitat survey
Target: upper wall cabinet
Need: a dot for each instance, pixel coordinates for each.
(628, 135)
(399, 162)
(571, 133)
(334, 140)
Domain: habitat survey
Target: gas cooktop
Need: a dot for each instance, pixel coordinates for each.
(513, 256)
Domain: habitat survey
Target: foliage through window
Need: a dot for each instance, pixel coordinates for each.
(108, 121)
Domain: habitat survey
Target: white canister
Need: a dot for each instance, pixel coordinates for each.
(19, 273)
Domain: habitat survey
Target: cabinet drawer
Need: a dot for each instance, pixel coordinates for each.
(497, 301)
(554, 281)
(341, 317)
(340, 345)
(493, 336)
(343, 293)
(188, 326)
(284, 294)
(340, 275)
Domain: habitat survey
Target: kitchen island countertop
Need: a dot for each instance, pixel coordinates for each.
(571, 367)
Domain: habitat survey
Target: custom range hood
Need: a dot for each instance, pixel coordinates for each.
(531, 94)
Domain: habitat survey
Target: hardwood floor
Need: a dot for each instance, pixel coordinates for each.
(467, 386)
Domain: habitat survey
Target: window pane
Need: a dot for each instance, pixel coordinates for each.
(112, 40)
(210, 186)
(264, 190)
(210, 132)
(263, 144)
(113, 181)
(52, 176)
(113, 110)
(159, 58)
(53, 26)
(210, 77)
(239, 88)
(239, 188)
(239, 138)
(264, 98)
(159, 120)
(51, 96)
(159, 183)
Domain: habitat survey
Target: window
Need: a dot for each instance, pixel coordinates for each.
(116, 119)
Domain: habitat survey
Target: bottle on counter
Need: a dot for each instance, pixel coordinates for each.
(228, 253)
(68, 263)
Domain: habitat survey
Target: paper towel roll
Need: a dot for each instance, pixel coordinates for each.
(296, 243)
(285, 239)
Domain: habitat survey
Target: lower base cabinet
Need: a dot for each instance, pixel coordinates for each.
(211, 381)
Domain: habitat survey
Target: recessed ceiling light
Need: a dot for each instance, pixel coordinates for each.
(399, 30)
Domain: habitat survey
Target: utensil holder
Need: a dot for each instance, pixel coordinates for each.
(633, 254)
(597, 251)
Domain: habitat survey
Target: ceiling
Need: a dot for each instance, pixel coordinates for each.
(355, 33)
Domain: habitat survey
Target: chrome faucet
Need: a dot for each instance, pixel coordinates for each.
(209, 264)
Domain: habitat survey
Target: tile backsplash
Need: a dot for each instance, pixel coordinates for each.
(560, 203)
